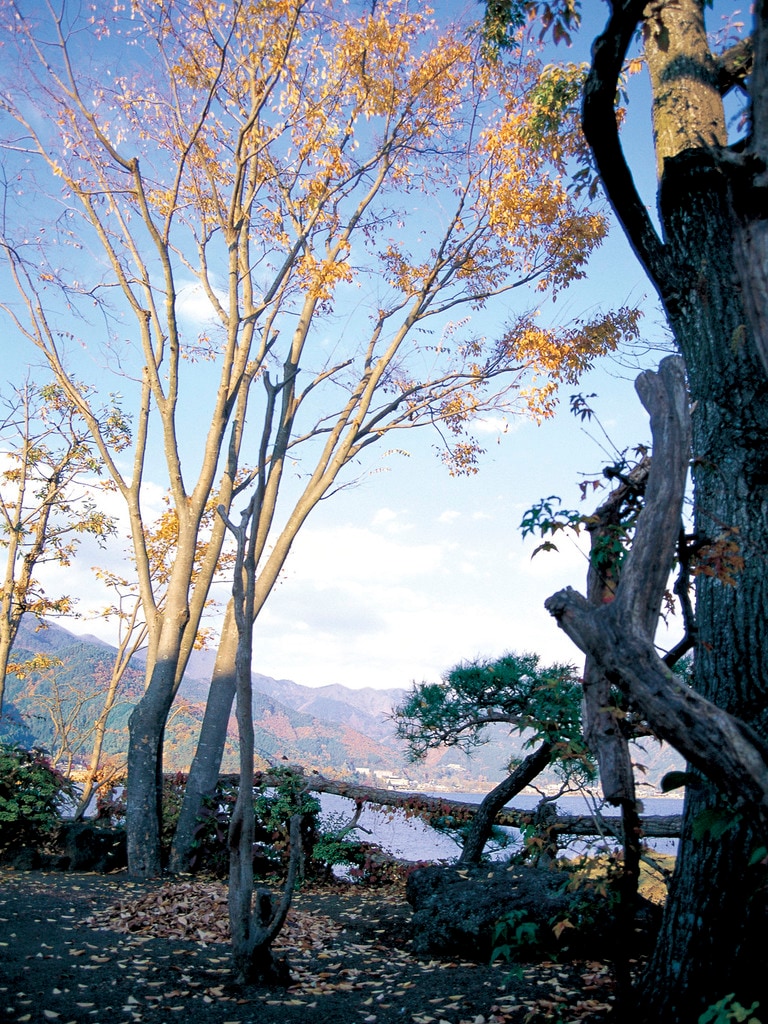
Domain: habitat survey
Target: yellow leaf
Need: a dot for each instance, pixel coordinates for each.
(560, 927)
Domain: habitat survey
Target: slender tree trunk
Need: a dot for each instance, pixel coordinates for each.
(10, 621)
(100, 731)
(241, 829)
(5, 652)
(204, 772)
(252, 931)
(482, 823)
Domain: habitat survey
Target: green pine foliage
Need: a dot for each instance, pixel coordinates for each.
(543, 703)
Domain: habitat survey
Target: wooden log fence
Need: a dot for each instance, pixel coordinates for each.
(426, 807)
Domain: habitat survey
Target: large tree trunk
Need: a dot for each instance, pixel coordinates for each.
(714, 924)
(204, 772)
(146, 727)
(712, 938)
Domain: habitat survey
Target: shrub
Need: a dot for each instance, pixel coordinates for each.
(173, 796)
(31, 794)
(729, 1009)
(273, 808)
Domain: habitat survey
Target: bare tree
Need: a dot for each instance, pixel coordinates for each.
(291, 162)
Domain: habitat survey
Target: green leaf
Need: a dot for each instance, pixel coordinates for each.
(716, 822)
(757, 855)
(677, 779)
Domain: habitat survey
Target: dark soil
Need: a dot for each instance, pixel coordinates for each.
(96, 949)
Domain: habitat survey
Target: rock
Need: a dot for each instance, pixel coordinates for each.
(25, 859)
(456, 911)
(86, 847)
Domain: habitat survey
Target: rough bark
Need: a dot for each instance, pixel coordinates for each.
(750, 195)
(615, 636)
(703, 944)
(687, 107)
(710, 273)
(726, 749)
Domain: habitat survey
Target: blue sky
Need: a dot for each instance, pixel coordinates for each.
(413, 571)
(409, 571)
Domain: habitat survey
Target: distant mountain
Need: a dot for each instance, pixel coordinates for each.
(57, 703)
(333, 729)
(341, 739)
(48, 638)
(366, 710)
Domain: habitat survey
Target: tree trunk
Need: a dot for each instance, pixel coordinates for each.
(252, 930)
(714, 923)
(204, 772)
(712, 937)
(146, 727)
(483, 821)
(99, 733)
(241, 831)
(5, 652)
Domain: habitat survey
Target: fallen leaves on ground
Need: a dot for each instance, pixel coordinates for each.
(166, 945)
(197, 911)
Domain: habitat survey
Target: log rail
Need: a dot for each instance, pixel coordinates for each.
(420, 805)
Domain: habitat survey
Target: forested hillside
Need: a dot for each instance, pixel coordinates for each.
(332, 729)
(54, 704)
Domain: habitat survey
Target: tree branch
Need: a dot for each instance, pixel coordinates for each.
(602, 133)
(735, 65)
(492, 803)
(618, 636)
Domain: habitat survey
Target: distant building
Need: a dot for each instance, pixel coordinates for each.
(397, 782)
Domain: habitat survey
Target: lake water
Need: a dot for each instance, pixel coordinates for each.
(412, 839)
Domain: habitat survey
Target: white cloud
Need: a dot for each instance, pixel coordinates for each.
(494, 425)
(367, 608)
(193, 304)
(391, 521)
(359, 554)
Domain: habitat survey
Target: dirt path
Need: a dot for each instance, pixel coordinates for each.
(64, 961)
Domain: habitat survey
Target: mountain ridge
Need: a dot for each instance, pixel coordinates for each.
(338, 740)
(331, 728)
